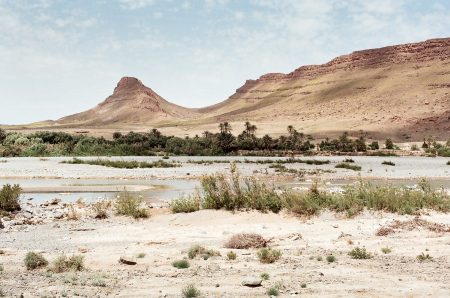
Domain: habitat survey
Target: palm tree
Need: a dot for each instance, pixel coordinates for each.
(291, 130)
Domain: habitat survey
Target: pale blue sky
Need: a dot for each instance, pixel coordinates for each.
(60, 57)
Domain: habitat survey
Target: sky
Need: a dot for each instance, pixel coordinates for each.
(61, 57)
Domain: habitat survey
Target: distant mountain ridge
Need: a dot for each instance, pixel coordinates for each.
(401, 90)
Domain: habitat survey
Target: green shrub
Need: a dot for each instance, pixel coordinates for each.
(181, 264)
(344, 165)
(185, 204)
(198, 250)
(331, 259)
(268, 255)
(141, 255)
(273, 291)
(123, 164)
(424, 257)
(63, 263)
(359, 254)
(348, 160)
(234, 194)
(231, 255)
(386, 250)
(9, 198)
(388, 163)
(34, 260)
(129, 205)
(265, 276)
(190, 291)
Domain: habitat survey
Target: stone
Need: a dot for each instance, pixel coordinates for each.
(127, 260)
(252, 282)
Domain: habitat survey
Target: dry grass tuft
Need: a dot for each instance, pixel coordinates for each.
(246, 241)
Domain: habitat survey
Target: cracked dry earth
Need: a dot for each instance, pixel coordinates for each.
(165, 237)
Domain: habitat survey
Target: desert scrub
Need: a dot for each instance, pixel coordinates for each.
(122, 164)
(100, 209)
(306, 203)
(141, 255)
(386, 250)
(34, 260)
(424, 257)
(185, 204)
(234, 193)
(268, 255)
(129, 205)
(72, 213)
(9, 198)
(331, 259)
(63, 263)
(344, 165)
(388, 163)
(231, 255)
(348, 160)
(246, 241)
(198, 250)
(273, 291)
(2, 268)
(190, 291)
(359, 254)
(180, 264)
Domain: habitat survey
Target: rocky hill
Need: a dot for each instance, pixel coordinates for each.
(401, 91)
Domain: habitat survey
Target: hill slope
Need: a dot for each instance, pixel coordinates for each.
(131, 103)
(400, 91)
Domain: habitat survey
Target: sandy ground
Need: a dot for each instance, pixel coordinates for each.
(405, 168)
(166, 237)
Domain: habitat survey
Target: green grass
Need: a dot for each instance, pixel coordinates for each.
(205, 253)
(388, 163)
(34, 260)
(359, 254)
(231, 255)
(185, 204)
(265, 276)
(129, 205)
(424, 257)
(344, 165)
(331, 259)
(181, 264)
(268, 255)
(122, 164)
(190, 291)
(386, 250)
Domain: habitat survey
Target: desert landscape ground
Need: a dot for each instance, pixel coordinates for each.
(397, 255)
(331, 180)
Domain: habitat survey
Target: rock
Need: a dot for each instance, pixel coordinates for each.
(127, 260)
(1, 224)
(252, 282)
(55, 201)
(83, 249)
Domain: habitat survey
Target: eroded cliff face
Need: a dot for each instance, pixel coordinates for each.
(403, 89)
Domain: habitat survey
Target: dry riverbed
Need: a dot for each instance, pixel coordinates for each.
(302, 270)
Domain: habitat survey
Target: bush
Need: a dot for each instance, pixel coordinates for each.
(344, 165)
(265, 276)
(100, 209)
(63, 263)
(389, 144)
(331, 259)
(185, 204)
(231, 194)
(268, 255)
(129, 205)
(386, 250)
(190, 291)
(359, 254)
(181, 264)
(273, 291)
(34, 260)
(231, 255)
(9, 198)
(200, 250)
(388, 163)
(246, 241)
(424, 257)
(123, 164)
